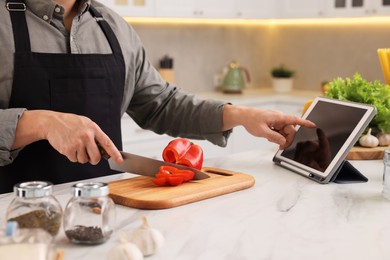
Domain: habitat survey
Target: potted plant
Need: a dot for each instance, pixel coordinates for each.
(282, 79)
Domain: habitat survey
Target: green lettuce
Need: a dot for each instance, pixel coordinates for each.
(372, 93)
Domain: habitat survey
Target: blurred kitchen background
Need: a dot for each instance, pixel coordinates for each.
(318, 39)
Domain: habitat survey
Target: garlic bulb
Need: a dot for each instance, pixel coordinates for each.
(125, 250)
(384, 139)
(368, 140)
(148, 239)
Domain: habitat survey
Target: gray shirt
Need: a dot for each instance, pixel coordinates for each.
(151, 102)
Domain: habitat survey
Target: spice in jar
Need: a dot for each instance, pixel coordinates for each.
(35, 207)
(49, 221)
(85, 234)
(89, 215)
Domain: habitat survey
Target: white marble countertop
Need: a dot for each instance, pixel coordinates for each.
(283, 216)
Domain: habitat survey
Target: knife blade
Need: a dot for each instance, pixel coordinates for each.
(133, 163)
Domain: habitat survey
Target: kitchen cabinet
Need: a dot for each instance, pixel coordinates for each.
(195, 8)
(140, 141)
(301, 8)
(351, 8)
(132, 8)
(249, 8)
(254, 9)
(215, 8)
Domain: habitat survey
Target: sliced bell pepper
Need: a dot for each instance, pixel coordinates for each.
(172, 176)
(184, 152)
(175, 180)
(160, 181)
(186, 174)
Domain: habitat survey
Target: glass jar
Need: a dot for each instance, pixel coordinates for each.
(89, 216)
(386, 174)
(34, 206)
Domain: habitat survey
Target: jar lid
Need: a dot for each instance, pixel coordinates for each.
(33, 189)
(90, 189)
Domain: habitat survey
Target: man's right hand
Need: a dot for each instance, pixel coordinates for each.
(76, 137)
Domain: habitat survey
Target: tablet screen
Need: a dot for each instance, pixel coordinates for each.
(339, 125)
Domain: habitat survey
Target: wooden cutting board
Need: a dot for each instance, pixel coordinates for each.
(364, 153)
(140, 192)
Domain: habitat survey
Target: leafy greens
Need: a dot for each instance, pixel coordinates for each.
(372, 93)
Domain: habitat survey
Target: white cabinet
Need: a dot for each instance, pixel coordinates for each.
(132, 8)
(249, 8)
(175, 8)
(349, 8)
(216, 8)
(254, 9)
(300, 8)
(195, 8)
(140, 141)
(380, 7)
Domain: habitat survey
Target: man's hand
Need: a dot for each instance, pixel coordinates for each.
(276, 126)
(74, 136)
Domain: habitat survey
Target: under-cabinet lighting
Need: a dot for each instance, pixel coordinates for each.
(266, 22)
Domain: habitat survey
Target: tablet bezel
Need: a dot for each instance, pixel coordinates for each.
(332, 169)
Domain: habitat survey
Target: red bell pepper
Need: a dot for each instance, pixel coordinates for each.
(184, 152)
(172, 176)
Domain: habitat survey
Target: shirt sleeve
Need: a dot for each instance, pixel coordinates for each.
(166, 109)
(8, 120)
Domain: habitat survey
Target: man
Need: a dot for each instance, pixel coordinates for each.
(70, 71)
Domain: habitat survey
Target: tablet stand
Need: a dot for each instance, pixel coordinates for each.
(346, 173)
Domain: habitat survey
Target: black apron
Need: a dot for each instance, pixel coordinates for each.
(85, 84)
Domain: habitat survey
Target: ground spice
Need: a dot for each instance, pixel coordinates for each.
(47, 220)
(83, 234)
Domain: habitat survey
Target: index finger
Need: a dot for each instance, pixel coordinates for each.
(294, 120)
(108, 149)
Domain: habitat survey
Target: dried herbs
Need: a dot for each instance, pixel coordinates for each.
(47, 220)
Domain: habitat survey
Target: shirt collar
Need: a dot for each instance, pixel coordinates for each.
(45, 8)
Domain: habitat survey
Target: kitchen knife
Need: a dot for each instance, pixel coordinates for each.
(140, 165)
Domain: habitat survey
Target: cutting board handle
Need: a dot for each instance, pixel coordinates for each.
(217, 171)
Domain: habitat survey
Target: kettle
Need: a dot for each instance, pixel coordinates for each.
(234, 81)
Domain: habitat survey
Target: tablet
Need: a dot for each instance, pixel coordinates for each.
(318, 153)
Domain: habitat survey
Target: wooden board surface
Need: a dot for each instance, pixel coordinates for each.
(364, 153)
(140, 192)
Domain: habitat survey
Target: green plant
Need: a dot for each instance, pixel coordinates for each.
(359, 90)
(282, 72)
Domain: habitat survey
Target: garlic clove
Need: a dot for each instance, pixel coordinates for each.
(384, 139)
(368, 140)
(148, 239)
(125, 250)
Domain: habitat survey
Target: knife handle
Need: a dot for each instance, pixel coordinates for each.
(103, 152)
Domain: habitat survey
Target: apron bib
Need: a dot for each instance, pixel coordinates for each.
(85, 84)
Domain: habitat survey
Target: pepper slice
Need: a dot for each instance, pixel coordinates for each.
(172, 176)
(184, 152)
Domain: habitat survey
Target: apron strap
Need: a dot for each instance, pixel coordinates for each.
(17, 9)
(112, 40)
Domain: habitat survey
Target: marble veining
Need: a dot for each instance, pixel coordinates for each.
(283, 216)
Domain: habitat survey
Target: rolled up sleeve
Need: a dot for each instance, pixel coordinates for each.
(8, 120)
